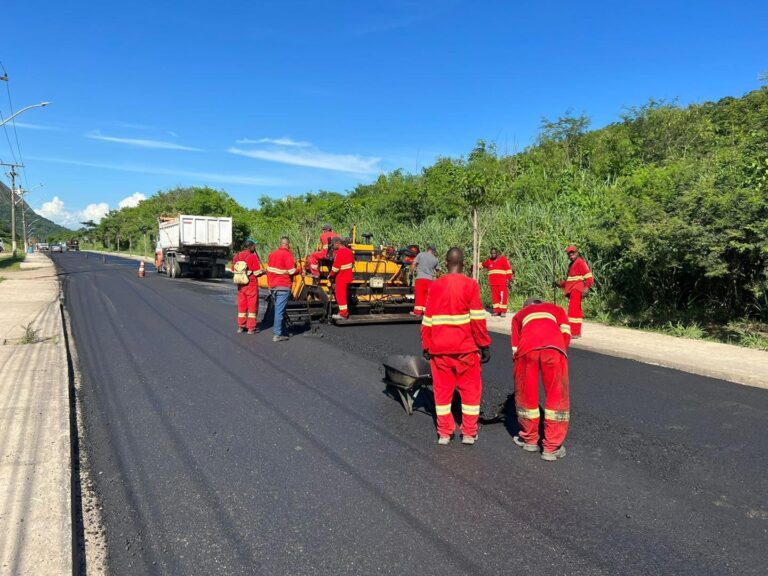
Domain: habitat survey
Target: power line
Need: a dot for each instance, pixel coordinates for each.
(15, 131)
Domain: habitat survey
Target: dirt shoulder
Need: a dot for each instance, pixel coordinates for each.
(723, 361)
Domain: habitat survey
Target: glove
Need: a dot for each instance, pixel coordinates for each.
(555, 284)
(427, 355)
(485, 355)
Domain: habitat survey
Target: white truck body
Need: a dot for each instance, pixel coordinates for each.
(194, 245)
(187, 230)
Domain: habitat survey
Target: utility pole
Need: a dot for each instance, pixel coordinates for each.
(13, 175)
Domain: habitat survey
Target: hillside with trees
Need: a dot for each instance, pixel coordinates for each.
(669, 204)
(43, 227)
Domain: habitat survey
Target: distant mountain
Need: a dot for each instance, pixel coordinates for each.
(44, 228)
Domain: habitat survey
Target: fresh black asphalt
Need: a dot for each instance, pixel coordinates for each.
(220, 453)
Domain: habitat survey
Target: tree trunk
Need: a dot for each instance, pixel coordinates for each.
(475, 243)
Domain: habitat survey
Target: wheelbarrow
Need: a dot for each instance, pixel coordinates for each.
(407, 375)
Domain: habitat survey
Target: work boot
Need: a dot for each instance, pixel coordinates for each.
(279, 338)
(503, 315)
(524, 445)
(468, 440)
(552, 456)
(254, 331)
(575, 336)
(444, 440)
(240, 329)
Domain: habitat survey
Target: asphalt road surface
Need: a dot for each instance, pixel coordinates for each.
(221, 453)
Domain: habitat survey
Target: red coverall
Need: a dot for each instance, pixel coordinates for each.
(421, 291)
(248, 294)
(540, 337)
(452, 331)
(579, 278)
(342, 271)
(315, 258)
(280, 268)
(499, 275)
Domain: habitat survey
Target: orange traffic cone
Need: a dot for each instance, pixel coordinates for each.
(141, 269)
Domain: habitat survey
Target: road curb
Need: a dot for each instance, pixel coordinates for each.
(727, 362)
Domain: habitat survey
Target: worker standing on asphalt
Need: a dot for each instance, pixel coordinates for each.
(455, 341)
(500, 276)
(540, 337)
(281, 269)
(424, 267)
(248, 294)
(575, 286)
(342, 271)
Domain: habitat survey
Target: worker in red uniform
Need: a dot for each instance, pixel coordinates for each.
(424, 268)
(342, 271)
(500, 276)
(248, 294)
(455, 341)
(281, 269)
(315, 258)
(540, 337)
(575, 286)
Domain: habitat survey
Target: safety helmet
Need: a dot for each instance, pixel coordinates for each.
(571, 248)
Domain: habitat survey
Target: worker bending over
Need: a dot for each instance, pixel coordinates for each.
(455, 340)
(575, 286)
(500, 278)
(540, 337)
(424, 267)
(315, 258)
(342, 271)
(248, 294)
(280, 272)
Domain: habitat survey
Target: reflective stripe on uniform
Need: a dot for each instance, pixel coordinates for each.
(565, 328)
(280, 271)
(527, 413)
(539, 316)
(577, 278)
(242, 314)
(447, 320)
(492, 272)
(502, 306)
(477, 314)
(514, 349)
(470, 409)
(574, 320)
(342, 306)
(557, 415)
(442, 409)
(346, 266)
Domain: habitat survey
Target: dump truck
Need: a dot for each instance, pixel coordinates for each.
(380, 292)
(190, 245)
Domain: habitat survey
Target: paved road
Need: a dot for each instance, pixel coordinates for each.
(219, 453)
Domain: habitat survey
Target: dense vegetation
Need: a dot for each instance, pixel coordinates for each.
(668, 204)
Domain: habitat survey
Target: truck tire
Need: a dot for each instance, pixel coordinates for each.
(175, 268)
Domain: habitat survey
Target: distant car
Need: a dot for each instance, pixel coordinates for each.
(43, 247)
(56, 248)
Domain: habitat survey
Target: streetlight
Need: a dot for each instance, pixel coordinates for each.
(13, 174)
(41, 105)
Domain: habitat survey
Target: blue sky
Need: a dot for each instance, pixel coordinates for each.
(283, 97)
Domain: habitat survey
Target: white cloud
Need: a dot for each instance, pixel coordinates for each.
(132, 200)
(284, 141)
(196, 177)
(30, 126)
(141, 142)
(57, 212)
(314, 159)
